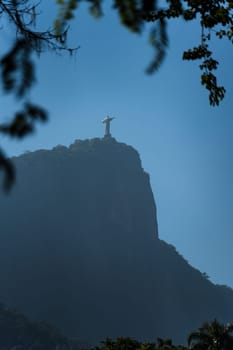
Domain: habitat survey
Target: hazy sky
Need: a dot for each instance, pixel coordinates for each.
(185, 145)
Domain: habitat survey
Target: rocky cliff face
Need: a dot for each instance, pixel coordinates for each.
(80, 248)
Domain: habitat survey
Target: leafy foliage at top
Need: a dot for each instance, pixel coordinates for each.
(17, 70)
(214, 16)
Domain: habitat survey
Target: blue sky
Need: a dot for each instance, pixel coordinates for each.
(185, 145)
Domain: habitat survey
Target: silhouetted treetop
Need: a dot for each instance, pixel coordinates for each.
(212, 336)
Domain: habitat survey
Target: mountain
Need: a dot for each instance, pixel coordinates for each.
(80, 249)
(17, 332)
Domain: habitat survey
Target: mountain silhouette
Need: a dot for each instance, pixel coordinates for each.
(80, 249)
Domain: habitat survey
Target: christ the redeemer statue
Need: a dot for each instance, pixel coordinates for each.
(107, 122)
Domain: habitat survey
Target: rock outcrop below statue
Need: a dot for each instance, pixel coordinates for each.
(80, 249)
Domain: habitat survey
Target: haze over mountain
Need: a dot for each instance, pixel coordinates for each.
(80, 249)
